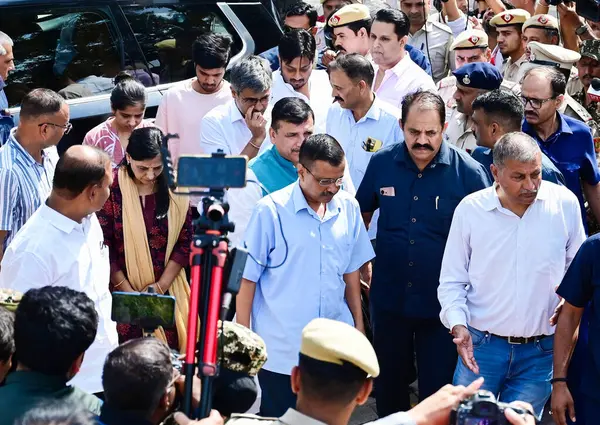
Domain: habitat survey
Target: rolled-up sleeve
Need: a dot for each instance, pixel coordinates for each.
(259, 240)
(454, 274)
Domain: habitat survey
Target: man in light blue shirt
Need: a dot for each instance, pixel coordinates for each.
(307, 243)
(361, 122)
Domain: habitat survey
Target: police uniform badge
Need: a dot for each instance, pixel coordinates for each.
(507, 18)
(474, 40)
(334, 20)
(466, 80)
(543, 20)
(372, 145)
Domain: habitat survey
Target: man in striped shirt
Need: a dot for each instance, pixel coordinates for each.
(28, 159)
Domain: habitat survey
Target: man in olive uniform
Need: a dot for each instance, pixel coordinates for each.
(470, 46)
(509, 25)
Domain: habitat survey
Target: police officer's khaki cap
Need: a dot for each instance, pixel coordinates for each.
(348, 14)
(510, 17)
(336, 342)
(470, 39)
(551, 55)
(545, 22)
(166, 44)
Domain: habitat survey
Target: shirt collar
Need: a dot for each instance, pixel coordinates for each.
(61, 222)
(373, 113)
(26, 155)
(300, 203)
(293, 417)
(234, 112)
(492, 201)
(2, 83)
(563, 127)
(278, 80)
(442, 157)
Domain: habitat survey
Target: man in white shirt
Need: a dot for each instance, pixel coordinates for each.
(185, 104)
(62, 245)
(239, 127)
(297, 78)
(508, 248)
(396, 75)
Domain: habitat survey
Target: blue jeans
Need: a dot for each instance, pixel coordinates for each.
(511, 371)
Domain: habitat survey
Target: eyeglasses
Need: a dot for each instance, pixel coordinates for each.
(535, 103)
(325, 182)
(254, 100)
(67, 127)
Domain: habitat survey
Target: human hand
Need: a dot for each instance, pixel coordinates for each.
(557, 310)
(214, 418)
(475, 23)
(257, 124)
(196, 389)
(436, 409)
(328, 57)
(464, 346)
(562, 402)
(516, 419)
(568, 16)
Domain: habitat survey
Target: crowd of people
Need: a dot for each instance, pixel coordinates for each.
(421, 185)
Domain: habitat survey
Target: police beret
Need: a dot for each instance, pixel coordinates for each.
(541, 21)
(590, 49)
(479, 75)
(470, 39)
(348, 14)
(243, 350)
(551, 55)
(510, 17)
(336, 342)
(166, 44)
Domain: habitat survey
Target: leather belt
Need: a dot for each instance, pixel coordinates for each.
(521, 339)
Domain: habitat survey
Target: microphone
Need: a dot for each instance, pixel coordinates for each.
(594, 90)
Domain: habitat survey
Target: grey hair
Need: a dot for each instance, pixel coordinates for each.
(4, 39)
(516, 146)
(252, 73)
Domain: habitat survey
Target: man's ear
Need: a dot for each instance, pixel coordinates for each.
(314, 30)
(295, 380)
(445, 127)
(365, 391)
(495, 172)
(272, 134)
(559, 100)
(76, 366)
(363, 32)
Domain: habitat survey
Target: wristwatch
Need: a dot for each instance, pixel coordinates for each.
(582, 29)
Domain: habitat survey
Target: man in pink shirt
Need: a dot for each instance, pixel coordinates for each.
(183, 106)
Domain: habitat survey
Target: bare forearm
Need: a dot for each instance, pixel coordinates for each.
(243, 302)
(452, 11)
(565, 338)
(171, 271)
(592, 195)
(367, 216)
(120, 282)
(353, 297)
(251, 149)
(496, 6)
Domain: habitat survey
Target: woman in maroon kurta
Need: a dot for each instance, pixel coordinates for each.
(156, 224)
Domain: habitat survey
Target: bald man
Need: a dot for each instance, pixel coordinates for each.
(62, 245)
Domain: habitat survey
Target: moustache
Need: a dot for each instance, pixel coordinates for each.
(420, 146)
(340, 49)
(528, 192)
(338, 99)
(327, 194)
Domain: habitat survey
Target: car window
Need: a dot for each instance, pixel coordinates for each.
(74, 51)
(166, 34)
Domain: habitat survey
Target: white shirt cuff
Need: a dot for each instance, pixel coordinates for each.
(456, 317)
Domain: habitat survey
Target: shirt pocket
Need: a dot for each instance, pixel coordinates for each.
(439, 212)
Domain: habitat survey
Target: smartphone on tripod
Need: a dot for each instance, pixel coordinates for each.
(147, 310)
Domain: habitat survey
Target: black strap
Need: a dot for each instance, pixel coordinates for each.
(555, 380)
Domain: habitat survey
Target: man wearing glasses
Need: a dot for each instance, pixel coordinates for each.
(565, 140)
(239, 127)
(307, 243)
(28, 159)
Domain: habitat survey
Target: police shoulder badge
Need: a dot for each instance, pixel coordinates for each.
(466, 80)
(372, 145)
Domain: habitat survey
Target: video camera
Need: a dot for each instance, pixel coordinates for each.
(589, 9)
(482, 409)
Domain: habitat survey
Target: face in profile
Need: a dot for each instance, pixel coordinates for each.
(345, 91)
(347, 41)
(509, 40)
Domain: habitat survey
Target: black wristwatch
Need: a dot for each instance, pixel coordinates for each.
(582, 29)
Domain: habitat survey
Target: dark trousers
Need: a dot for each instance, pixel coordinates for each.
(276, 394)
(396, 340)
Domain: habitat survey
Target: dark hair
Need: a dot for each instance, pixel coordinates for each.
(144, 144)
(7, 334)
(136, 375)
(501, 106)
(233, 392)
(211, 51)
(558, 81)
(297, 44)
(127, 92)
(54, 325)
(355, 66)
(57, 412)
(290, 109)
(395, 17)
(74, 174)
(357, 25)
(331, 383)
(302, 9)
(321, 147)
(40, 102)
(551, 32)
(424, 99)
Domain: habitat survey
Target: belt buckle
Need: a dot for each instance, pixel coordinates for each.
(514, 341)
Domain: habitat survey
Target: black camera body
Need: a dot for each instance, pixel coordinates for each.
(482, 409)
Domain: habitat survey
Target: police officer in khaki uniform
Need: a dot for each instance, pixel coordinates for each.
(541, 28)
(469, 47)
(509, 25)
(335, 373)
(589, 68)
(472, 79)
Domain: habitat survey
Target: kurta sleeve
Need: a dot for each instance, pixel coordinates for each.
(181, 250)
